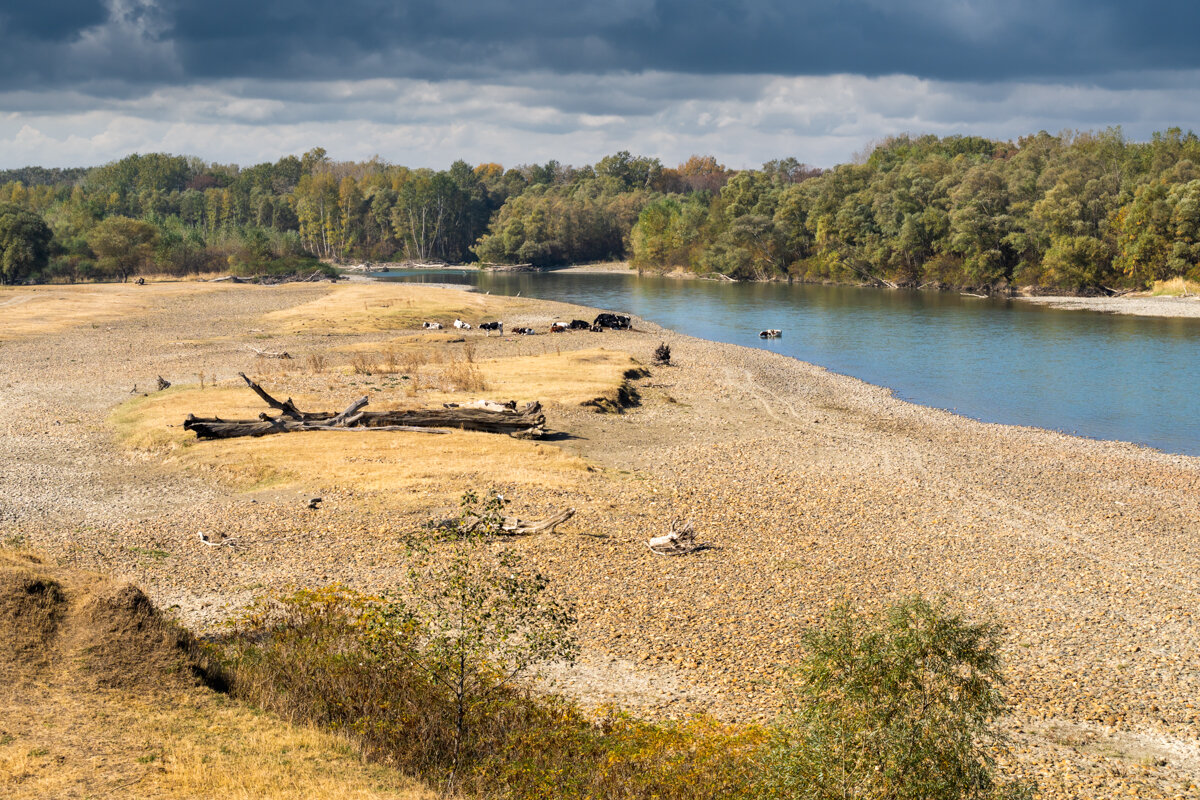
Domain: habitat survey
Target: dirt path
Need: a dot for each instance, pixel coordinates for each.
(812, 487)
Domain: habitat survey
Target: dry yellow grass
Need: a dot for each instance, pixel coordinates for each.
(406, 342)
(570, 378)
(411, 470)
(35, 310)
(1176, 287)
(367, 308)
(64, 743)
(96, 700)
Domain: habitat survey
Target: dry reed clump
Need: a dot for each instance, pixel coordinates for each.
(363, 363)
(461, 376)
(1176, 287)
(316, 656)
(315, 363)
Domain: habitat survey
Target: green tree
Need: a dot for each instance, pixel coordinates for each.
(24, 243)
(474, 619)
(123, 245)
(901, 705)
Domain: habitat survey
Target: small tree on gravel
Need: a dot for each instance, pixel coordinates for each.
(897, 706)
(662, 354)
(483, 619)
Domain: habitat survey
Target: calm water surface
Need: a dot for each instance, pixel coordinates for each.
(1127, 378)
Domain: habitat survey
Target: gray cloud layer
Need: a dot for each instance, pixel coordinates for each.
(159, 41)
(423, 82)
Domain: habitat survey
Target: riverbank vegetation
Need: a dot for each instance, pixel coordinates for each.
(896, 704)
(1076, 212)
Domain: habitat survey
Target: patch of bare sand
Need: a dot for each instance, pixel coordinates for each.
(35, 310)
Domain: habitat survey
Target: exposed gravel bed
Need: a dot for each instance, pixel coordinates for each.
(811, 487)
(1136, 305)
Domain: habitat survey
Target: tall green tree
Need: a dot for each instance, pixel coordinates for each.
(122, 245)
(24, 243)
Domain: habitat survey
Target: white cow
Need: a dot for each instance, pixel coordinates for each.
(458, 323)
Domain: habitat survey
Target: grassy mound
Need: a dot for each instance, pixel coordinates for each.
(101, 696)
(64, 625)
(408, 468)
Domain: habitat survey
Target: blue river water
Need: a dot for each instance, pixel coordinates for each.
(1134, 379)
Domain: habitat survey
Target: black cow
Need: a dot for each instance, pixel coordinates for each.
(617, 322)
(492, 326)
(524, 331)
(579, 325)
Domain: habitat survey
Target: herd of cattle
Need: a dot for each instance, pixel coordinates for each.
(615, 322)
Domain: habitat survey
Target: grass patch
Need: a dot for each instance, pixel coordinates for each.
(369, 308)
(150, 552)
(101, 698)
(1176, 287)
(319, 657)
(572, 378)
(87, 744)
(38, 310)
(412, 470)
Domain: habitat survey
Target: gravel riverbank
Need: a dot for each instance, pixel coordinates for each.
(1136, 305)
(811, 487)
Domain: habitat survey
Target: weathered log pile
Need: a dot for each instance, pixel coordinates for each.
(526, 423)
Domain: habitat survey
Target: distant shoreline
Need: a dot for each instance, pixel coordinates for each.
(1148, 306)
(1130, 305)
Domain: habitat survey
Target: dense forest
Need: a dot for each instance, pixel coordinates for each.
(1077, 211)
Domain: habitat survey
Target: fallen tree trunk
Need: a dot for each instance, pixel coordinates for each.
(512, 526)
(528, 422)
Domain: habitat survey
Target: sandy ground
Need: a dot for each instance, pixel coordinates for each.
(1130, 304)
(810, 487)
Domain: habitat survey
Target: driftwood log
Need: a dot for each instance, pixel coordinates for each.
(269, 353)
(528, 422)
(680, 541)
(511, 526)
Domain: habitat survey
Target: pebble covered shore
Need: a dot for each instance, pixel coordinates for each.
(811, 487)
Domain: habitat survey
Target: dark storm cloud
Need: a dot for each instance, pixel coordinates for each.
(174, 41)
(943, 39)
(50, 20)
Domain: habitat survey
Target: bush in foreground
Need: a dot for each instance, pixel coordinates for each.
(897, 706)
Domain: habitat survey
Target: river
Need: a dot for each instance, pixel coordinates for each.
(1105, 376)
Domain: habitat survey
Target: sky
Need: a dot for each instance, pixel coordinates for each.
(425, 82)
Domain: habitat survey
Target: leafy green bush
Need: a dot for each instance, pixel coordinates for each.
(897, 706)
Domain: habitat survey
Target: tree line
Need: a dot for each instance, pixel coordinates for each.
(1075, 211)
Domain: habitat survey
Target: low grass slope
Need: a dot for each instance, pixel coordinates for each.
(102, 696)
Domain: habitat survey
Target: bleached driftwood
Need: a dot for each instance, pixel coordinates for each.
(528, 422)
(680, 541)
(486, 405)
(269, 353)
(224, 541)
(512, 526)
